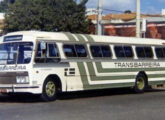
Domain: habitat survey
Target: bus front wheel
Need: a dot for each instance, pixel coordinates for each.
(140, 83)
(49, 92)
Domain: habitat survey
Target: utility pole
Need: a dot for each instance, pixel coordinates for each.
(99, 22)
(138, 19)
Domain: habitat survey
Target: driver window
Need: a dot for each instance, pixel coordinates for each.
(50, 54)
(53, 51)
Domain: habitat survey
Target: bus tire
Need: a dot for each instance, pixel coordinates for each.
(49, 92)
(140, 83)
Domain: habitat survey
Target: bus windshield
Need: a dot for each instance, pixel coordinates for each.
(16, 53)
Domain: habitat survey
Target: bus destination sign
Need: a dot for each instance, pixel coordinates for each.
(13, 38)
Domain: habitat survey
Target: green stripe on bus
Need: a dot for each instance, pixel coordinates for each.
(156, 76)
(83, 74)
(96, 78)
(80, 37)
(104, 86)
(87, 86)
(89, 38)
(100, 69)
(70, 36)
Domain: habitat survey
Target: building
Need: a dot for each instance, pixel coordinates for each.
(1, 21)
(125, 25)
(91, 11)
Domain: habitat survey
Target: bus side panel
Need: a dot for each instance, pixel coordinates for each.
(95, 77)
(42, 71)
(74, 82)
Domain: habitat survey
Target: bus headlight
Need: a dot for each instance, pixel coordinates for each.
(22, 79)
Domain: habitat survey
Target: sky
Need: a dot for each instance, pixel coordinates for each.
(147, 6)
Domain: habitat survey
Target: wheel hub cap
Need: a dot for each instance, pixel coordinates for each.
(50, 89)
(140, 83)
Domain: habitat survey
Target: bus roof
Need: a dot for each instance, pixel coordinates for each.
(66, 36)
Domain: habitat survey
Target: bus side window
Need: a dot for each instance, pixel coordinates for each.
(50, 54)
(159, 52)
(81, 51)
(106, 51)
(69, 51)
(41, 53)
(163, 51)
(119, 51)
(128, 51)
(96, 51)
(140, 52)
(148, 52)
(38, 54)
(53, 51)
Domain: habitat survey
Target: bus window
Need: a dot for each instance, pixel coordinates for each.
(50, 54)
(41, 53)
(16, 53)
(163, 51)
(128, 51)
(96, 51)
(159, 52)
(148, 52)
(53, 51)
(119, 51)
(144, 52)
(81, 51)
(38, 54)
(25, 53)
(140, 52)
(69, 51)
(106, 51)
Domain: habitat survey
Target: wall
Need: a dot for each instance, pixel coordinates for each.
(153, 30)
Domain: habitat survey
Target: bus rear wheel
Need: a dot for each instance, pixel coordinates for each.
(140, 84)
(49, 92)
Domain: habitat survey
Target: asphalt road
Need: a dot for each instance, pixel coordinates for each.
(116, 104)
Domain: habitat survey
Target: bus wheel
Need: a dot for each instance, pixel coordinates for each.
(140, 83)
(49, 92)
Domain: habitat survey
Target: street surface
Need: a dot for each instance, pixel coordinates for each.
(113, 104)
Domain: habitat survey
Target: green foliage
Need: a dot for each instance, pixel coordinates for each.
(4, 5)
(128, 11)
(47, 15)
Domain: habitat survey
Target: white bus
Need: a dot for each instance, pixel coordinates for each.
(47, 63)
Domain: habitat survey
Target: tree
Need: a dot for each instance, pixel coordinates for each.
(128, 11)
(47, 15)
(4, 5)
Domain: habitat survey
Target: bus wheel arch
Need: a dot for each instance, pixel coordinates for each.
(51, 87)
(141, 82)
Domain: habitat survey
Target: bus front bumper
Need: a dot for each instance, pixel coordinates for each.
(20, 89)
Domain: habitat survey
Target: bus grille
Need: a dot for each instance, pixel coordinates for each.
(10, 77)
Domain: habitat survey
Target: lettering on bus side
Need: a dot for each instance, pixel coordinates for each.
(6, 68)
(137, 64)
